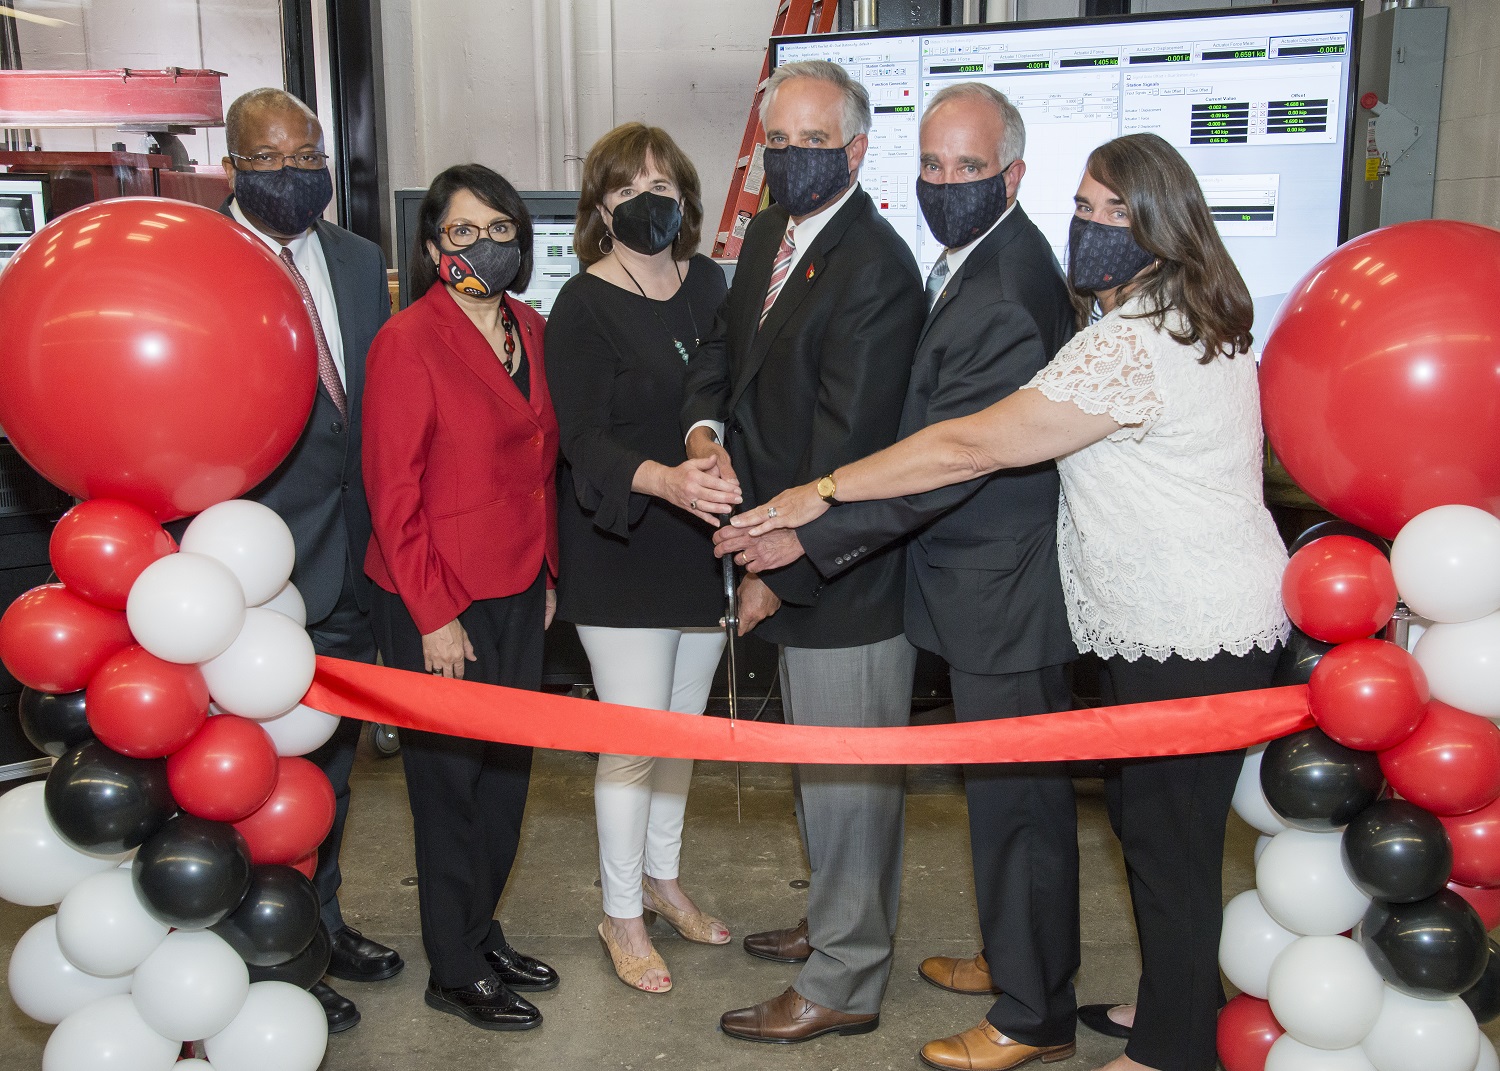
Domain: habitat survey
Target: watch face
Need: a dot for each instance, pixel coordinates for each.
(826, 487)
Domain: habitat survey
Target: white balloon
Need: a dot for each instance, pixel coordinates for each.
(280, 1026)
(1488, 1059)
(102, 927)
(193, 1065)
(1413, 1034)
(1303, 885)
(1260, 846)
(1324, 991)
(300, 730)
(1289, 1054)
(1447, 563)
(267, 668)
(45, 985)
(185, 608)
(1249, 942)
(108, 1035)
(288, 601)
(192, 986)
(1249, 801)
(37, 867)
(251, 539)
(1462, 663)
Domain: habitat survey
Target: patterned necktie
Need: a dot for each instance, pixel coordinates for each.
(937, 280)
(328, 375)
(779, 271)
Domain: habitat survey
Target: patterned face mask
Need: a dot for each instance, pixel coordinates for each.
(1102, 257)
(959, 212)
(484, 269)
(287, 200)
(804, 180)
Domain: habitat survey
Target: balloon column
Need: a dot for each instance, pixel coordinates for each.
(167, 680)
(1363, 945)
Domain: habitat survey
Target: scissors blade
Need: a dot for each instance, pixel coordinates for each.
(731, 632)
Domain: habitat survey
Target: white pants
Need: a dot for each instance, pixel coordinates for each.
(639, 801)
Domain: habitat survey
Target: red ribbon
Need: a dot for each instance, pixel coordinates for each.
(509, 715)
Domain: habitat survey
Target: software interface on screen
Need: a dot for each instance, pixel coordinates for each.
(1255, 102)
(553, 261)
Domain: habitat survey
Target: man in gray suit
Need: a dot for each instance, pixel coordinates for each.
(982, 579)
(279, 175)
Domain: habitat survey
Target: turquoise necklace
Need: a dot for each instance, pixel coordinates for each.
(682, 350)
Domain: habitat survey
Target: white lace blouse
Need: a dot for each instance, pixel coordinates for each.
(1164, 539)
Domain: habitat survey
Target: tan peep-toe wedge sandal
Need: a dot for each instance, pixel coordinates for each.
(631, 969)
(691, 925)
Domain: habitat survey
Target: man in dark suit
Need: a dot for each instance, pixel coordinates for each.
(279, 175)
(808, 367)
(982, 584)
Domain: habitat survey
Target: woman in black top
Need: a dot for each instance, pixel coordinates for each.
(638, 575)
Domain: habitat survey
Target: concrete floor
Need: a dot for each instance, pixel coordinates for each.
(745, 872)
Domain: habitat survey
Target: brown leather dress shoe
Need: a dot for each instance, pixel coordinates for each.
(986, 1049)
(959, 975)
(780, 946)
(791, 1017)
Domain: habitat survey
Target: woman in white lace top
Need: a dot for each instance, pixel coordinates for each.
(1171, 564)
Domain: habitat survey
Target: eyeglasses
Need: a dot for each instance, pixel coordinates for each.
(463, 235)
(275, 161)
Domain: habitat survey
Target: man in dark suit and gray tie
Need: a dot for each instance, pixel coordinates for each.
(279, 174)
(982, 579)
(808, 367)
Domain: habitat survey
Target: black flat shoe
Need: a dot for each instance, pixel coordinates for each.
(356, 958)
(1096, 1018)
(488, 1004)
(341, 1012)
(525, 974)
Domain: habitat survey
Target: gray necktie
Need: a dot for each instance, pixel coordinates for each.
(937, 280)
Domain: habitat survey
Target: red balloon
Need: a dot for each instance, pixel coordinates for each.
(144, 707)
(1484, 901)
(1476, 845)
(1368, 694)
(227, 770)
(295, 819)
(100, 547)
(1247, 1030)
(308, 864)
(1396, 328)
(154, 351)
(53, 641)
(1450, 765)
(1338, 588)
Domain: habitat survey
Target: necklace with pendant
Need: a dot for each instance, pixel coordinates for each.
(677, 342)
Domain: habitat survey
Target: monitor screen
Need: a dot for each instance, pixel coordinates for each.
(1258, 102)
(23, 210)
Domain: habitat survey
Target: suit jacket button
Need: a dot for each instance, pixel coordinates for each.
(538, 493)
(337, 427)
(344, 486)
(862, 550)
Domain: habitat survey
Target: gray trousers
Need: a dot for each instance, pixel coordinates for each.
(851, 819)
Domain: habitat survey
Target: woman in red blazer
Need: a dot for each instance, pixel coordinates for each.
(460, 447)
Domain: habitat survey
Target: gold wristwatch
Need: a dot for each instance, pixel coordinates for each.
(827, 487)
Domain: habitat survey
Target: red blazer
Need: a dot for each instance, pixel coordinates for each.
(457, 464)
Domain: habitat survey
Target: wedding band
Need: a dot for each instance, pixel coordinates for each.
(770, 511)
(693, 504)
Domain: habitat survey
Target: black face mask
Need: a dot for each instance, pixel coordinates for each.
(1102, 257)
(647, 223)
(482, 270)
(804, 180)
(287, 200)
(959, 212)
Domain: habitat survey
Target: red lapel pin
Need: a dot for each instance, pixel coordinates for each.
(811, 271)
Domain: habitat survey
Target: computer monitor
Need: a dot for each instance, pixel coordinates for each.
(1258, 100)
(23, 210)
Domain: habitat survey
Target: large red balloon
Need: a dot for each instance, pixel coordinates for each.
(295, 819)
(1368, 694)
(144, 707)
(1379, 378)
(1450, 765)
(153, 351)
(226, 772)
(1338, 588)
(53, 641)
(100, 547)
(1476, 845)
(1484, 901)
(1247, 1030)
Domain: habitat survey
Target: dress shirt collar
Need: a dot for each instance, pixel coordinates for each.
(956, 257)
(804, 234)
(297, 245)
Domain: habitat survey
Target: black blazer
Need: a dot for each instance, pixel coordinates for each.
(820, 385)
(983, 589)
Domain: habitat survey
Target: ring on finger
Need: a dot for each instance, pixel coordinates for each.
(693, 504)
(770, 511)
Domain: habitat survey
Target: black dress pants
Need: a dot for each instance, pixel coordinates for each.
(1170, 814)
(467, 796)
(1023, 832)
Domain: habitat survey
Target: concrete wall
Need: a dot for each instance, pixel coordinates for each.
(1468, 157)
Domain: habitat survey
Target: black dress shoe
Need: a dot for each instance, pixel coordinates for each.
(1096, 1018)
(526, 974)
(356, 958)
(341, 1012)
(488, 1004)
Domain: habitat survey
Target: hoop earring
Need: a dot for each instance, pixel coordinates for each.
(602, 251)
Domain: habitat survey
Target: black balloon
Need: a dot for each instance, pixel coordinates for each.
(277, 918)
(1432, 948)
(54, 723)
(1295, 663)
(1398, 852)
(105, 802)
(193, 872)
(302, 970)
(1331, 528)
(1314, 782)
(1483, 997)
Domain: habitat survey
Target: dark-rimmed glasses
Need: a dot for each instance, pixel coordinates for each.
(275, 161)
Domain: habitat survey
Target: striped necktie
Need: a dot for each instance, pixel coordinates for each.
(779, 271)
(328, 375)
(937, 280)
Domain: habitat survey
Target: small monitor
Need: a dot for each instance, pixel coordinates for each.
(23, 210)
